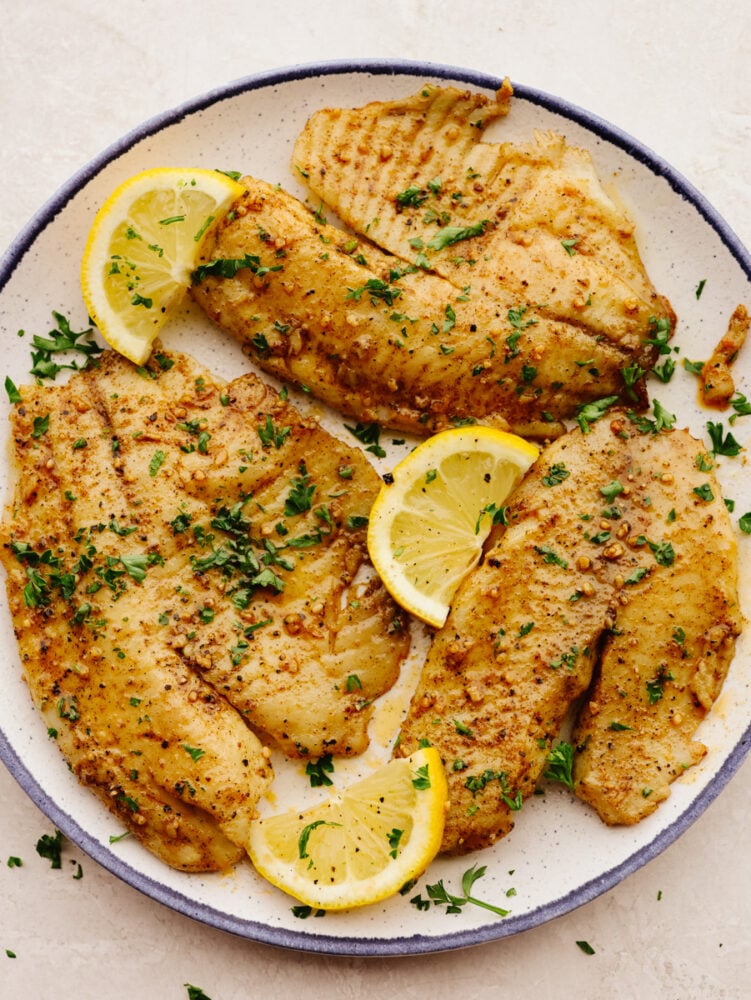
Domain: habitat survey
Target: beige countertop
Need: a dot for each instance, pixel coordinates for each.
(76, 75)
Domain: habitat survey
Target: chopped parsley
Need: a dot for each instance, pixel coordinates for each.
(449, 235)
(722, 444)
(319, 770)
(270, 434)
(556, 474)
(195, 992)
(376, 290)
(226, 267)
(588, 413)
(421, 780)
(550, 556)
(62, 340)
(50, 846)
(157, 461)
(663, 420)
(560, 763)
(369, 435)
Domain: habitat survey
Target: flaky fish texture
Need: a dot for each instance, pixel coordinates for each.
(663, 663)
(523, 225)
(497, 282)
(602, 562)
(183, 565)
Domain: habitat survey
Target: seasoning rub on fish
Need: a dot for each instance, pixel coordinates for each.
(495, 282)
(185, 569)
(619, 563)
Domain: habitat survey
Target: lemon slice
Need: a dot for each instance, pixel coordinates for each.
(427, 527)
(142, 247)
(361, 845)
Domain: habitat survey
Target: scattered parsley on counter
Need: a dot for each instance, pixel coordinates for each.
(195, 992)
(50, 846)
(586, 947)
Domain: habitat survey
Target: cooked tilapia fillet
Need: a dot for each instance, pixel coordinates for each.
(180, 561)
(415, 173)
(385, 342)
(586, 548)
(663, 664)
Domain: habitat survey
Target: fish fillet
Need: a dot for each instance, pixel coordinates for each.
(181, 561)
(386, 342)
(664, 662)
(416, 175)
(586, 555)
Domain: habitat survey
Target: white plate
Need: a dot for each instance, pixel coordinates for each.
(560, 855)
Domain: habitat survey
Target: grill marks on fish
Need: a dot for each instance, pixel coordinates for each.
(591, 578)
(410, 172)
(400, 348)
(146, 505)
(495, 282)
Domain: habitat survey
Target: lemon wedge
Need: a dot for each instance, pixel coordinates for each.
(362, 844)
(427, 526)
(142, 247)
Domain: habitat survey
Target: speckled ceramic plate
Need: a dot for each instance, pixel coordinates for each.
(559, 855)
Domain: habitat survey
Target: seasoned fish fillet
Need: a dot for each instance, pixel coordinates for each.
(522, 224)
(386, 342)
(663, 664)
(590, 544)
(181, 559)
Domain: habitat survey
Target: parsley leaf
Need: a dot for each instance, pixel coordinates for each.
(50, 846)
(556, 474)
(369, 435)
(62, 341)
(722, 444)
(588, 413)
(226, 267)
(454, 234)
(560, 763)
(319, 770)
(195, 992)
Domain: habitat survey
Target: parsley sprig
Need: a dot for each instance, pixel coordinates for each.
(440, 896)
(47, 352)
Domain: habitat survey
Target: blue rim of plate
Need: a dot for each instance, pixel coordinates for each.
(322, 943)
